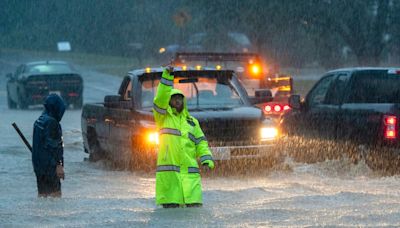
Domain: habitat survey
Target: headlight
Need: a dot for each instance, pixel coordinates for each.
(268, 133)
(152, 137)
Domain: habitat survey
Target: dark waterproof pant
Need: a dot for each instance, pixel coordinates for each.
(48, 185)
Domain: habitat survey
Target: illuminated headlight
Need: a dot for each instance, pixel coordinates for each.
(152, 137)
(268, 133)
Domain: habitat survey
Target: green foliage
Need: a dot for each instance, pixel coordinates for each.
(289, 33)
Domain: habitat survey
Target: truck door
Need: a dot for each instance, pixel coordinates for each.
(362, 111)
(320, 111)
(13, 85)
(119, 122)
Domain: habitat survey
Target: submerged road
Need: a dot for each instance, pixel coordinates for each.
(331, 193)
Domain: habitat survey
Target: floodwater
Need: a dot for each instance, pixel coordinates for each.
(330, 193)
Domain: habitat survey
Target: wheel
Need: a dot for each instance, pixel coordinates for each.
(385, 161)
(22, 104)
(96, 153)
(143, 158)
(11, 103)
(78, 104)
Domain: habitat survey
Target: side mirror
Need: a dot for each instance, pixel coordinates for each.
(294, 102)
(262, 96)
(9, 75)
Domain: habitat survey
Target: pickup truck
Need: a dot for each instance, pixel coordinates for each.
(122, 128)
(353, 111)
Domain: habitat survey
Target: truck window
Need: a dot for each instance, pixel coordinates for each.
(125, 90)
(210, 93)
(318, 94)
(128, 91)
(375, 87)
(336, 91)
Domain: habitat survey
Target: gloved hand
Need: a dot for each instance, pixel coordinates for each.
(208, 163)
(170, 69)
(60, 172)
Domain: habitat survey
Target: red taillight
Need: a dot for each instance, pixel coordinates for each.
(73, 94)
(390, 120)
(286, 107)
(277, 108)
(390, 127)
(37, 96)
(389, 134)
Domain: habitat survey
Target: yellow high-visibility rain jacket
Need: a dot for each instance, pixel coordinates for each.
(182, 142)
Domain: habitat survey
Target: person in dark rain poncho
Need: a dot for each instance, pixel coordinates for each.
(47, 148)
(182, 142)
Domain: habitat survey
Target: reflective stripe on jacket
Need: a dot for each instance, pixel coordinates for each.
(182, 142)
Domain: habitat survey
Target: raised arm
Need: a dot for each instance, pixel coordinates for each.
(161, 100)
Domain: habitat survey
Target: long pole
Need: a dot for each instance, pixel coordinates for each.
(22, 136)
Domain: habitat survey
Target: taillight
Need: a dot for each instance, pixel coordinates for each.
(390, 127)
(37, 96)
(286, 107)
(277, 108)
(267, 108)
(72, 94)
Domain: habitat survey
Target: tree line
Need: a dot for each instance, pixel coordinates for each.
(301, 33)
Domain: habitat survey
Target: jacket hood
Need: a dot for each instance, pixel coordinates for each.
(54, 106)
(185, 109)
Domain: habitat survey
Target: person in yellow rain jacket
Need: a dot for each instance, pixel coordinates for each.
(182, 142)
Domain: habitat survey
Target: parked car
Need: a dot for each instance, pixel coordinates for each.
(33, 81)
(353, 112)
(122, 129)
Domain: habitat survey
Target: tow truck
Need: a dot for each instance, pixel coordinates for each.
(253, 73)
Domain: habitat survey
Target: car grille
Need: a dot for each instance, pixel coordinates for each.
(231, 132)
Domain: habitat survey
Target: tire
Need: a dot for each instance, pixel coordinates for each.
(78, 104)
(385, 161)
(11, 103)
(22, 103)
(96, 153)
(143, 158)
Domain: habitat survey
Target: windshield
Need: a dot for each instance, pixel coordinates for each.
(49, 68)
(375, 87)
(203, 94)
